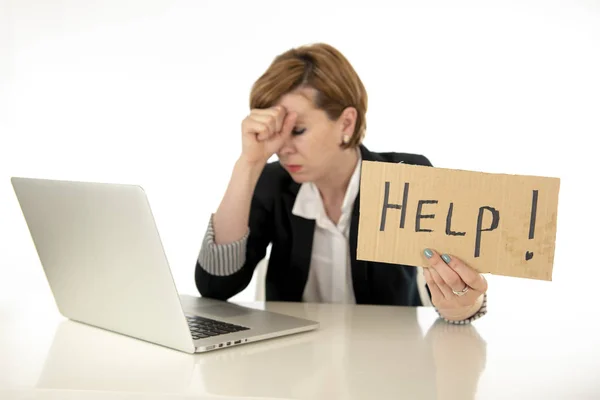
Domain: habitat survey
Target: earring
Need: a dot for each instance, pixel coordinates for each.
(346, 139)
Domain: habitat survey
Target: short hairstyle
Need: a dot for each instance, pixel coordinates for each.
(322, 67)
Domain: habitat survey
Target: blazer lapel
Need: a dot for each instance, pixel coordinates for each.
(302, 230)
(302, 239)
(359, 268)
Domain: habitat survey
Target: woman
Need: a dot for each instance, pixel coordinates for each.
(309, 109)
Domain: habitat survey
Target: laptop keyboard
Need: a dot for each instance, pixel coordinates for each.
(204, 327)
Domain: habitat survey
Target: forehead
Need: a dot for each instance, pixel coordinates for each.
(299, 101)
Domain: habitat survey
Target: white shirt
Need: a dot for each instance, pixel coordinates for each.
(329, 276)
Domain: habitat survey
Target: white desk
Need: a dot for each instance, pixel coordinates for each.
(359, 352)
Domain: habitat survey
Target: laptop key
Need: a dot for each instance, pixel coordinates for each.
(204, 327)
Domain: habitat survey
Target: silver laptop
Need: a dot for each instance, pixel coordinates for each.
(104, 261)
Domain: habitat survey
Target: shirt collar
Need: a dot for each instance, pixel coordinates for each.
(309, 204)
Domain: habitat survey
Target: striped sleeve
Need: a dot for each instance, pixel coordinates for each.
(482, 311)
(221, 259)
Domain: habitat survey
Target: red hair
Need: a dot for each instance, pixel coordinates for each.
(323, 68)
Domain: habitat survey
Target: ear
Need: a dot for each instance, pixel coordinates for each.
(347, 121)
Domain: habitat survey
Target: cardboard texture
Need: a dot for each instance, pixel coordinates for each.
(496, 223)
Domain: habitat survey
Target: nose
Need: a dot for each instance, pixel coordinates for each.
(287, 147)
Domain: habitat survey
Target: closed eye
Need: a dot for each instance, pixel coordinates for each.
(298, 131)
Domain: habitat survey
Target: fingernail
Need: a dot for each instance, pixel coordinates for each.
(446, 257)
(428, 253)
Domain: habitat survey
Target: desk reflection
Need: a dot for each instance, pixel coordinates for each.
(359, 352)
(82, 357)
(459, 354)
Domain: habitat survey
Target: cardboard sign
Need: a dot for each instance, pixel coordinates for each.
(496, 223)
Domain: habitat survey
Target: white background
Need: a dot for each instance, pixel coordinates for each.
(153, 93)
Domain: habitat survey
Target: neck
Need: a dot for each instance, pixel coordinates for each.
(333, 186)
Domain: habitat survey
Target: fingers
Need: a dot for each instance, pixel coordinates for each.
(273, 117)
(436, 283)
(280, 114)
(288, 124)
(467, 274)
(260, 129)
(277, 112)
(436, 293)
(439, 267)
(266, 123)
(286, 131)
(269, 121)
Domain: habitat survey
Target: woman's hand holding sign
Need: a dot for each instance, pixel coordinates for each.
(457, 290)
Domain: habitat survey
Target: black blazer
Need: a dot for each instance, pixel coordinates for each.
(272, 222)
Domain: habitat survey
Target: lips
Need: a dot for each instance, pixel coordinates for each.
(293, 168)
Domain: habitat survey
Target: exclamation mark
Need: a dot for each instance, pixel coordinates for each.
(534, 199)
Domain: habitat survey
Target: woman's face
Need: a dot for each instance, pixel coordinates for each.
(313, 149)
